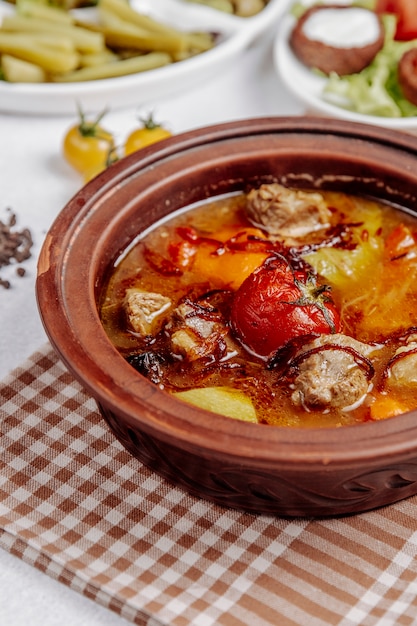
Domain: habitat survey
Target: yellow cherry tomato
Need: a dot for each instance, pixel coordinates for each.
(87, 144)
(151, 132)
(93, 172)
(96, 169)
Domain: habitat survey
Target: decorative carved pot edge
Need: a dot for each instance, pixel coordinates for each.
(266, 492)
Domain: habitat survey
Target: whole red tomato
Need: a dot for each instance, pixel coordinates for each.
(406, 13)
(277, 303)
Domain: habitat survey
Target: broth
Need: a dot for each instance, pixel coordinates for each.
(366, 255)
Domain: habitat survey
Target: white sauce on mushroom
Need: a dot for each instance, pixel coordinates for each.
(347, 28)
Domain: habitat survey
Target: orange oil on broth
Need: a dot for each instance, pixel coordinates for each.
(373, 284)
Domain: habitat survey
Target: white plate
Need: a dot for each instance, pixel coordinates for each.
(308, 87)
(138, 89)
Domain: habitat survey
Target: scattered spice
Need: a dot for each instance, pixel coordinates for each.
(15, 246)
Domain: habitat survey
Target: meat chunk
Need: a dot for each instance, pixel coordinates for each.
(403, 368)
(330, 374)
(284, 212)
(407, 75)
(340, 39)
(146, 311)
(197, 331)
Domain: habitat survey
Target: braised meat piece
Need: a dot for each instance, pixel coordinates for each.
(197, 331)
(402, 369)
(284, 212)
(149, 364)
(334, 38)
(333, 371)
(407, 75)
(146, 311)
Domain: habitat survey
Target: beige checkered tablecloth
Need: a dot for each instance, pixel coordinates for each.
(74, 504)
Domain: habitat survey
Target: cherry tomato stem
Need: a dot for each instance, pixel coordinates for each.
(87, 144)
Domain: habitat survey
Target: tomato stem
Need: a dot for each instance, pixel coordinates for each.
(90, 128)
(149, 122)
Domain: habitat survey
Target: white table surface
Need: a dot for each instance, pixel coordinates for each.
(36, 183)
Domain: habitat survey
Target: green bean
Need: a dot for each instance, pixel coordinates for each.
(29, 8)
(63, 44)
(99, 58)
(67, 50)
(120, 34)
(84, 40)
(124, 67)
(125, 12)
(121, 21)
(19, 71)
(28, 49)
(200, 42)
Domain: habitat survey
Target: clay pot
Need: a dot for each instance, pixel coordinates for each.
(261, 469)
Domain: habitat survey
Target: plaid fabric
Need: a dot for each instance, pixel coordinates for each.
(75, 505)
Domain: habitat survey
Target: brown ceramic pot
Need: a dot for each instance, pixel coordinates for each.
(281, 471)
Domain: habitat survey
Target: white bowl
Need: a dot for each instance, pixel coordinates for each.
(308, 87)
(236, 33)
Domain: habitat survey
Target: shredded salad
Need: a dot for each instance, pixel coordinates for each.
(375, 90)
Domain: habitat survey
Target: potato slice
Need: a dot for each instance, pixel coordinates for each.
(223, 400)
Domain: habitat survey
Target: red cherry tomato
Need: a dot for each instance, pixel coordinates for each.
(385, 6)
(406, 12)
(278, 303)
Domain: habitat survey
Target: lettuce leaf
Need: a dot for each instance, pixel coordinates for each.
(375, 90)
